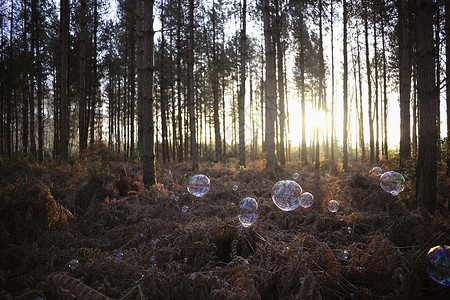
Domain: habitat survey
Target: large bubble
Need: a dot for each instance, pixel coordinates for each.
(392, 182)
(247, 211)
(438, 264)
(306, 199)
(286, 194)
(198, 185)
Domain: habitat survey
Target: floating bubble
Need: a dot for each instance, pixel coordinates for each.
(73, 264)
(438, 264)
(141, 235)
(295, 176)
(306, 199)
(333, 206)
(184, 208)
(286, 194)
(247, 211)
(392, 182)
(297, 72)
(152, 259)
(198, 185)
(172, 197)
(108, 244)
(344, 255)
(302, 280)
(325, 82)
(192, 276)
(349, 229)
(119, 255)
(177, 198)
(377, 171)
(185, 260)
(235, 187)
(245, 262)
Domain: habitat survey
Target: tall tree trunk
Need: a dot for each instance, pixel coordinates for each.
(344, 142)
(148, 157)
(241, 100)
(280, 69)
(270, 87)
(40, 154)
(10, 90)
(302, 87)
(321, 82)
(427, 92)
(25, 82)
(405, 81)
(82, 105)
(332, 84)
(194, 150)
(163, 98)
(95, 79)
(385, 99)
(437, 42)
(361, 115)
(64, 79)
(132, 75)
(32, 94)
(447, 72)
(140, 66)
(377, 116)
(369, 84)
(215, 86)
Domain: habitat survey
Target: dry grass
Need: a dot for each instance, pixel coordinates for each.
(133, 243)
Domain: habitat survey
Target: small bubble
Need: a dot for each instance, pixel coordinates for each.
(119, 255)
(344, 255)
(141, 235)
(297, 72)
(377, 171)
(295, 176)
(306, 200)
(210, 273)
(235, 188)
(152, 259)
(247, 209)
(333, 206)
(73, 264)
(177, 198)
(325, 82)
(184, 208)
(185, 260)
(226, 283)
(302, 280)
(349, 229)
(192, 276)
(140, 246)
(108, 244)
(172, 196)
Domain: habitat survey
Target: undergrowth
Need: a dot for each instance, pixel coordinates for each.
(133, 243)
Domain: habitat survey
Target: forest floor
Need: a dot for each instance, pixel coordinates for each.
(88, 229)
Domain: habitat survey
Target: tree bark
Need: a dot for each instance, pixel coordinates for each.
(270, 87)
(241, 101)
(345, 132)
(82, 105)
(194, 150)
(377, 116)
(280, 69)
(140, 66)
(405, 81)
(426, 170)
(148, 157)
(64, 79)
(447, 71)
(369, 85)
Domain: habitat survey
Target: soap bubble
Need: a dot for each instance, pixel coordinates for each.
(172, 196)
(392, 182)
(141, 235)
(184, 208)
(302, 280)
(152, 259)
(325, 82)
(333, 206)
(349, 229)
(248, 207)
(185, 260)
(438, 264)
(177, 198)
(235, 187)
(295, 176)
(198, 185)
(286, 194)
(119, 255)
(377, 171)
(192, 276)
(73, 264)
(344, 255)
(306, 199)
(297, 72)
